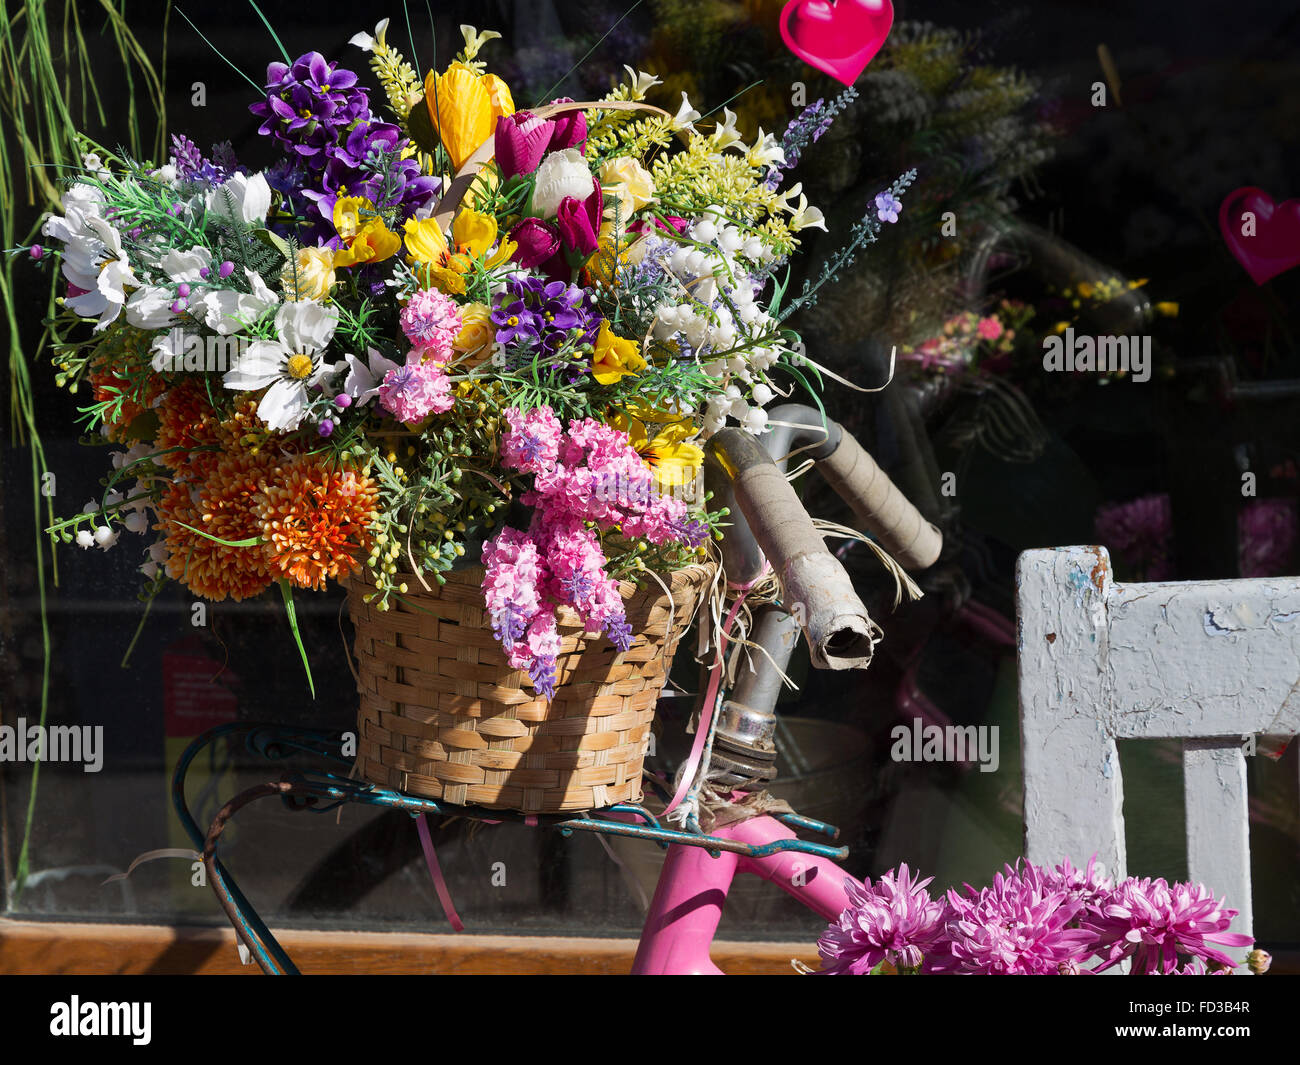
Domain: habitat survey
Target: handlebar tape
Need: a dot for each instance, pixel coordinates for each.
(880, 506)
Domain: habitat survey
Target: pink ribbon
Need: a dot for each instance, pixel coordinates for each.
(435, 874)
(711, 697)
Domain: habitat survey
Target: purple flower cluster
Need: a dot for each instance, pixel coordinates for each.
(1140, 533)
(532, 313)
(808, 127)
(191, 165)
(1031, 920)
(319, 115)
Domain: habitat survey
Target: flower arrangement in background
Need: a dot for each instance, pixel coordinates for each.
(456, 327)
(1032, 921)
(970, 341)
(1140, 535)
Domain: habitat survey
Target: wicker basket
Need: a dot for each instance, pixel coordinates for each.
(445, 717)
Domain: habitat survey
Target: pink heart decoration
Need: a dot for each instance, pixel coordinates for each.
(838, 37)
(1275, 246)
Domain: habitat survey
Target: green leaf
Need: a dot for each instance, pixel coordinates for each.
(420, 126)
(275, 240)
(287, 592)
(252, 541)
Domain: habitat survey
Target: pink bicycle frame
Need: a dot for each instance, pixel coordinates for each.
(692, 890)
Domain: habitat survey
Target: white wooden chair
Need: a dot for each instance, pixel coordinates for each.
(1214, 663)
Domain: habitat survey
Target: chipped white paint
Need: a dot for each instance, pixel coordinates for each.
(1210, 662)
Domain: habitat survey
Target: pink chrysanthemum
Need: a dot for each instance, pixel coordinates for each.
(1017, 926)
(431, 321)
(893, 920)
(1159, 926)
(414, 391)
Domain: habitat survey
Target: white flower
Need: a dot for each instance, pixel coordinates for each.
(136, 522)
(151, 308)
(805, 217)
(766, 151)
(85, 538)
(755, 421)
(704, 231)
(761, 394)
(115, 274)
(561, 174)
(92, 163)
(150, 570)
(288, 365)
(362, 382)
(227, 311)
(686, 116)
(166, 173)
(725, 133)
(187, 266)
(752, 249)
(247, 197)
(641, 82)
(367, 43)
(106, 537)
(730, 240)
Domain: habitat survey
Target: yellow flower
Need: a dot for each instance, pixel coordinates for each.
(1085, 290)
(614, 357)
(602, 267)
(464, 107)
(474, 232)
(476, 333)
(502, 102)
(368, 239)
(424, 240)
(628, 185)
(1168, 310)
(672, 460)
(310, 276)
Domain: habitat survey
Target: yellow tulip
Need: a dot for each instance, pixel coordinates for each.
(502, 102)
(614, 357)
(374, 242)
(462, 110)
(425, 242)
(474, 232)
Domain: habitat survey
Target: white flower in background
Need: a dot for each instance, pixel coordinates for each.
(641, 82)
(766, 151)
(730, 240)
(753, 249)
(561, 174)
(686, 116)
(761, 394)
(166, 173)
(704, 230)
(248, 198)
(289, 365)
(362, 382)
(227, 311)
(367, 43)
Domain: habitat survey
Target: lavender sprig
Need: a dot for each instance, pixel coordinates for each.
(884, 208)
(809, 126)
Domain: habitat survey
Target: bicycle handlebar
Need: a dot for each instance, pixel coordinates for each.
(837, 626)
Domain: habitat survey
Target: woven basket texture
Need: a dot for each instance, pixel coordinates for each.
(444, 716)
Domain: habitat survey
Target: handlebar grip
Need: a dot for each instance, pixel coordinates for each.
(880, 506)
(840, 633)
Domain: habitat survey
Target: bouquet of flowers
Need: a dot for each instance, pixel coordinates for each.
(454, 331)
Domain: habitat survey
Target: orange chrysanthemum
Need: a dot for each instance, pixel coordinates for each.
(187, 420)
(107, 384)
(315, 517)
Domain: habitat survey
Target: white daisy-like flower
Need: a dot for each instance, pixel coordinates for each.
(766, 151)
(114, 276)
(287, 367)
(725, 134)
